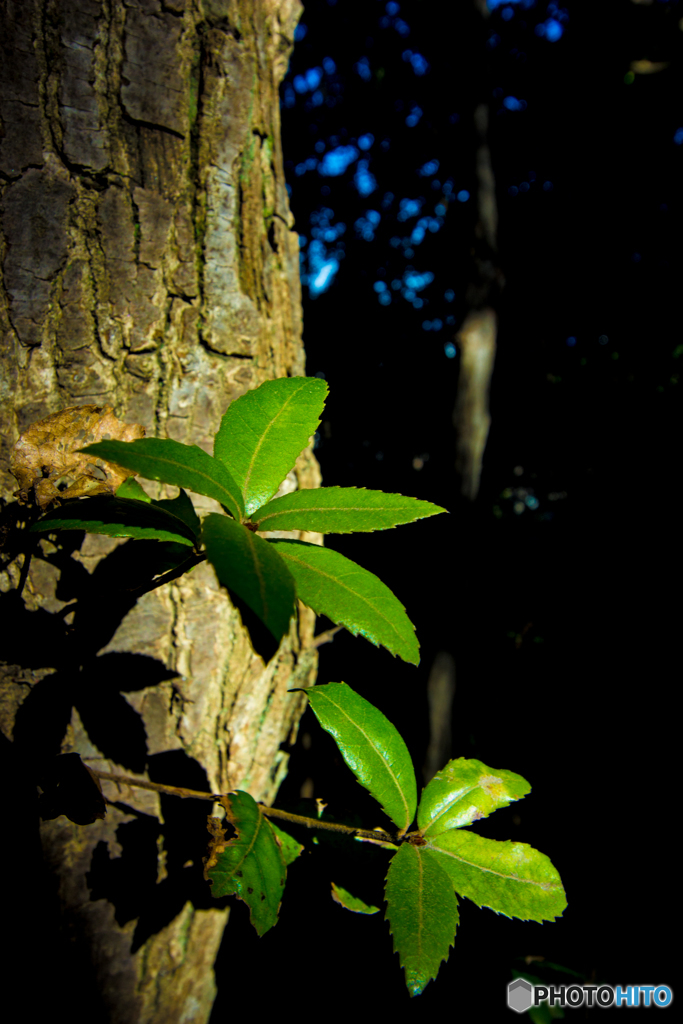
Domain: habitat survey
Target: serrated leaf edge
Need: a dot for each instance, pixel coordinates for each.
(383, 758)
(338, 892)
(89, 450)
(48, 519)
(552, 887)
(270, 426)
(351, 625)
(415, 990)
(368, 509)
(428, 830)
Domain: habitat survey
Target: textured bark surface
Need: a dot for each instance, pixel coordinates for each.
(148, 263)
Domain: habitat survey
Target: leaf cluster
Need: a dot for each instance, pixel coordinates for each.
(429, 867)
(259, 440)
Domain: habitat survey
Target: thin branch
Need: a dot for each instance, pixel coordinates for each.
(332, 826)
(324, 638)
(159, 787)
(270, 812)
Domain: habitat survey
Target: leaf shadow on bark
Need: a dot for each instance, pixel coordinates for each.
(132, 882)
(40, 640)
(60, 663)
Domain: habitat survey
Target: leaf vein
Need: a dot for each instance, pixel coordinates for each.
(264, 435)
(340, 582)
(330, 508)
(258, 569)
(182, 466)
(420, 902)
(380, 754)
(491, 871)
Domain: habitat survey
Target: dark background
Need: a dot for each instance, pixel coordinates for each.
(561, 617)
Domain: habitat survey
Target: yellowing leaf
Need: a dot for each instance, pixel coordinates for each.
(510, 878)
(464, 791)
(357, 906)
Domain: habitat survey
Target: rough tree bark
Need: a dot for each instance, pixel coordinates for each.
(148, 263)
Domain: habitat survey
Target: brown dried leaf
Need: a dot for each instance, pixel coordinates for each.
(217, 843)
(46, 457)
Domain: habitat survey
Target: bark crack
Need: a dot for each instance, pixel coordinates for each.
(39, 42)
(95, 253)
(137, 122)
(165, 363)
(137, 230)
(168, 8)
(198, 206)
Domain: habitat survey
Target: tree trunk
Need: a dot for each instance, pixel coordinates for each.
(148, 263)
(476, 338)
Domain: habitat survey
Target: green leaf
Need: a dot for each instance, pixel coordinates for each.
(341, 510)
(265, 430)
(249, 866)
(352, 903)
(371, 746)
(184, 465)
(510, 878)
(252, 568)
(422, 911)
(335, 586)
(130, 488)
(464, 791)
(116, 517)
(289, 848)
(169, 556)
(183, 508)
(542, 1014)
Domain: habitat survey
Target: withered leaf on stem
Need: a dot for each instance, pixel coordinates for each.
(217, 843)
(46, 459)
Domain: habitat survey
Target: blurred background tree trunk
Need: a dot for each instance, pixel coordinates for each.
(477, 336)
(148, 263)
